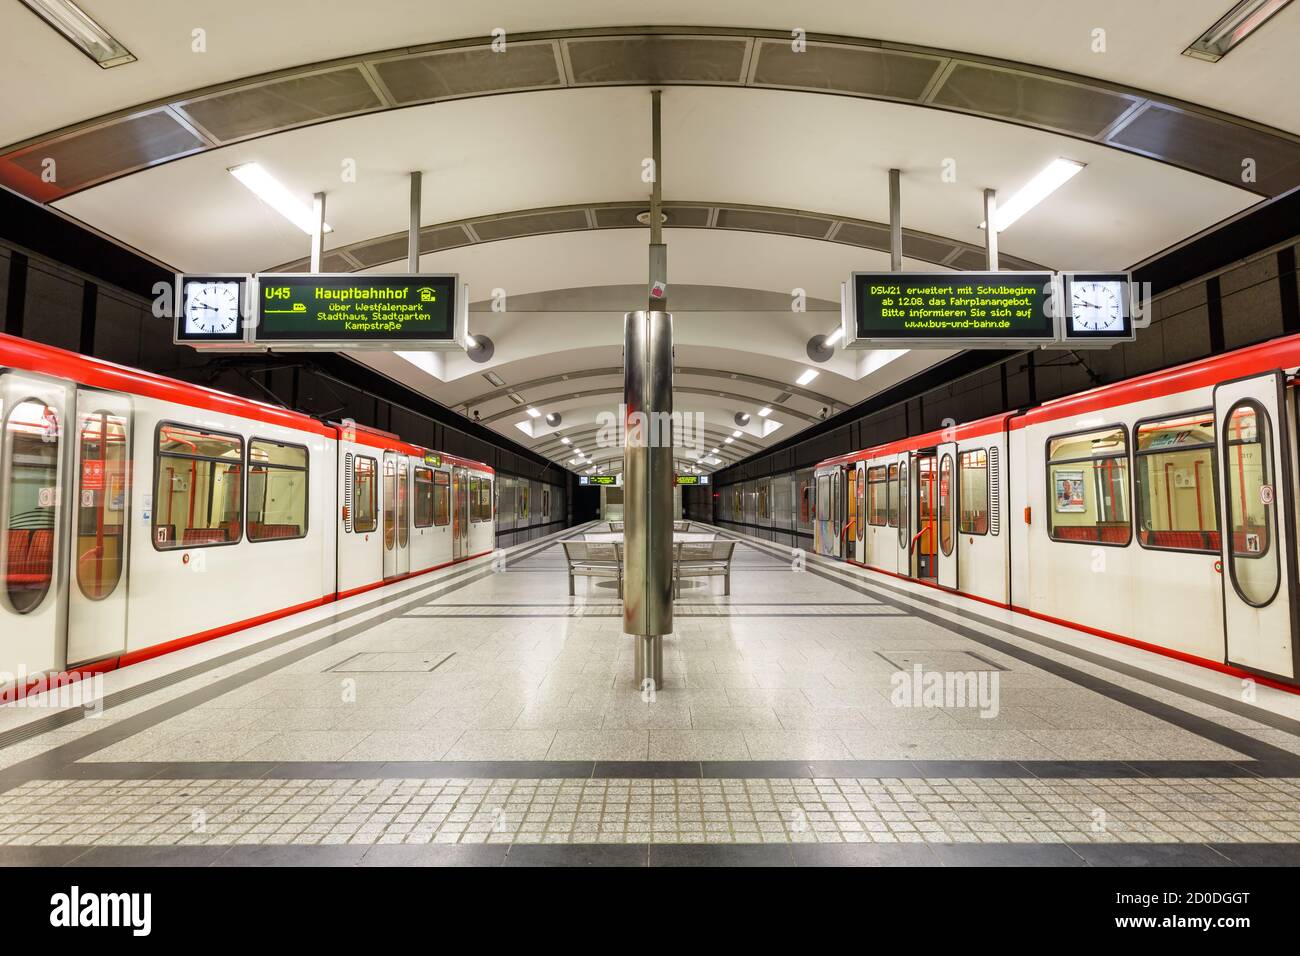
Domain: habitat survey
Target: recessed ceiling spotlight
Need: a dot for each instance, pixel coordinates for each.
(81, 31)
(565, 441)
(1053, 176)
(729, 440)
(737, 433)
(643, 217)
(276, 195)
(1238, 23)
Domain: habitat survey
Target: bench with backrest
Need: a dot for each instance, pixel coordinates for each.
(594, 559)
(698, 559)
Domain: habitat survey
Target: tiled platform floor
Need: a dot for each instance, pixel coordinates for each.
(505, 668)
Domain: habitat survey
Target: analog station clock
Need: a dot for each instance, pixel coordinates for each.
(1096, 307)
(211, 308)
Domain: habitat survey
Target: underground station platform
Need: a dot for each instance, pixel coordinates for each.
(845, 446)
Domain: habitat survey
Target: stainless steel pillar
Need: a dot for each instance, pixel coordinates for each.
(990, 233)
(318, 233)
(895, 221)
(413, 228)
(648, 488)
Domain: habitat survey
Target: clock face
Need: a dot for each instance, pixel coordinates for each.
(1097, 306)
(212, 307)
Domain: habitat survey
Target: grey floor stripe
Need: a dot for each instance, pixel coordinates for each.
(658, 854)
(668, 769)
(1201, 726)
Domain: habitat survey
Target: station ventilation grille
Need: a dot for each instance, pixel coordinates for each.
(450, 74)
(842, 68)
(657, 59)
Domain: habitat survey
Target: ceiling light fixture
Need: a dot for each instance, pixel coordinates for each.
(274, 193)
(764, 411)
(565, 441)
(737, 433)
(729, 440)
(1238, 23)
(1053, 176)
(836, 335)
(494, 379)
(532, 412)
(81, 31)
(807, 376)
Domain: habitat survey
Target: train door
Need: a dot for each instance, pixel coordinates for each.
(100, 529)
(459, 513)
(1258, 535)
(32, 508)
(947, 516)
(397, 533)
(927, 497)
(859, 539)
(906, 518)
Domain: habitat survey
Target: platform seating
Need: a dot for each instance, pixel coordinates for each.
(697, 559)
(594, 559)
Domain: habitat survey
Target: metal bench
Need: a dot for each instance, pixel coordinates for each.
(699, 559)
(594, 559)
(616, 527)
(681, 527)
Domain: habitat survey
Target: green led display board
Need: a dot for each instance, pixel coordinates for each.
(943, 310)
(598, 480)
(355, 310)
(692, 479)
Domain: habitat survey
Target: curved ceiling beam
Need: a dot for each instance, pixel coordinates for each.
(554, 449)
(733, 217)
(617, 370)
(1191, 137)
(685, 389)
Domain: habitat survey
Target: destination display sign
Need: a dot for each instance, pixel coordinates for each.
(355, 310)
(692, 479)
(598, 479)
(942, 310)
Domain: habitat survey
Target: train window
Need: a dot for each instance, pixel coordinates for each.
(862, 504)
(973, 493)
(487, 499)
(277, 491)
(423, 497)
(945, 503)
(1087, 484)
(852, 523)
(32, 440)
(904, 513)
(363, 494)
(891, 497)
(1249, 492)
(199, 491)
(480, 499)
(403, 503)
(877, 496)
(101, 503)
(823, 497)
(390, 503)
(1174, 483)
(441, 498)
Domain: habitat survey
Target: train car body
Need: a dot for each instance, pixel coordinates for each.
(141, 514)
(1160, 511)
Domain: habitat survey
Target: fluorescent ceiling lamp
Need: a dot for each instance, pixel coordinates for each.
(494, 378)
(1238, 23)
(81, 31)
(764, 412)
(836, 335)
(273, 192)
(532, 412)
(564, 441)
(1055, 175)
(714, 452)
(806, 377)
(729, 440)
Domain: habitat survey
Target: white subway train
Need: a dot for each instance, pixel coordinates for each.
(143, 514)
(1159, 512)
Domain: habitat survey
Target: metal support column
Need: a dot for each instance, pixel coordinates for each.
(990, 231)
(318, 233)
(648, 489)
(895, 221)
(648, 451)
(413, 230)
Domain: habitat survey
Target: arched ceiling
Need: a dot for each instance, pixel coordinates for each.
(774, 172)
